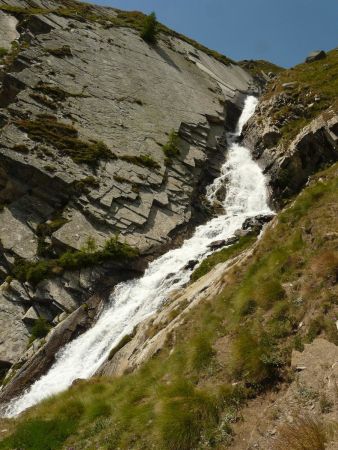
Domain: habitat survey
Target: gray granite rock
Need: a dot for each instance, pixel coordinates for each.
(8, 32)
(14, 335)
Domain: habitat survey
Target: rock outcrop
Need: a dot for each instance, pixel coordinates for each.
(288, 163)
(85, 109)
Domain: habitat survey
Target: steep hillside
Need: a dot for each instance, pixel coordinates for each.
(221, 343)
(106, 145)
(294, 130)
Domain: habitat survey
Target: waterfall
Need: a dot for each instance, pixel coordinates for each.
(133, 301)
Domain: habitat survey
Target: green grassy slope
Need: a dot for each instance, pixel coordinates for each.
(315, 87)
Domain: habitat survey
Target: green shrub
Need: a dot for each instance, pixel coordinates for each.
(99, 408)
(149, 29)
(315, 328)
(60, 52)
(142, 160)
(71, 409)
(269, 292)
(38, 434)
(182, 413)
(3, 52)
(255, 358)
(248, 307)
(202, 352)
(34, 272)
(40, 329)
(171, 149)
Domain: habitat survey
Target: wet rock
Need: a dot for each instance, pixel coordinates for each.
(191, 264)
(241, 233)
(217, 244)
(257, 222)
(223, 243)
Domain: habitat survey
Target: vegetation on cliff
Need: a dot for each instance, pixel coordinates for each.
(149, 29)
(257, 66)
(190, 394)
(64, 137)
(131, 19)
(311, 89)
(88, 256)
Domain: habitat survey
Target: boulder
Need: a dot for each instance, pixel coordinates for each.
(315, 56)
(217, 244)
(290, 85)
(16, 292)
(190, 264)
(257, 222)
(223, 243)
(53, 291)
(30, 317)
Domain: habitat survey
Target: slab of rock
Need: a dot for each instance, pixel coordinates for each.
(30, 317)
(223, 243)
(257, 222)
(16, 236)
(14, 335)
(53, 291)
(315, 56)
(77, 231)
(8, 32)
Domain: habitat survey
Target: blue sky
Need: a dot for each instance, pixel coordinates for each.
(281, 31)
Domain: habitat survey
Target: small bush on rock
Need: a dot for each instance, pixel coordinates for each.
(170, 149)
(40, 329)
(149, 29)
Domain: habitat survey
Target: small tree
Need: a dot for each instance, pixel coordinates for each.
(149, 28)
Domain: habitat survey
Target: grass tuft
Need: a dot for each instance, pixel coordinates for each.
(305, 433)
(64, 137)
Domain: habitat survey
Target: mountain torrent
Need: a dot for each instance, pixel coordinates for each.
(169, 239)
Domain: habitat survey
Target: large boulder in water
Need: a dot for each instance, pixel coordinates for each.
(256, 223)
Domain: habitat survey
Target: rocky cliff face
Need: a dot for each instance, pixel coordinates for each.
(85, 110)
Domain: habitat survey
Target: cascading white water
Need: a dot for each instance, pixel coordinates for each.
(132, 301)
